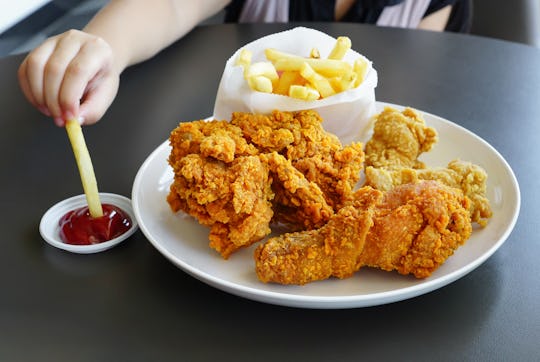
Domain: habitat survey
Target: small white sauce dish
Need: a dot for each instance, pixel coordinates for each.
(50, 229)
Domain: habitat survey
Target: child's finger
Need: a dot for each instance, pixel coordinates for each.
(33, 69)
(98, 97)
(93, 60)
(54, 72)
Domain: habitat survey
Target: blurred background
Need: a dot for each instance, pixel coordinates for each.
(26, 23)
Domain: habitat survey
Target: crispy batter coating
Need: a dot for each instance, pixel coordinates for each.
(298, 203)
(217, 139)
(293, 134)
(413, 229)
(416, 228)
(226, 174)
(468, 177)
(232, 199)
(398, 139)
(238, 177)
(220, 180)
(331, 251)
(318, 154)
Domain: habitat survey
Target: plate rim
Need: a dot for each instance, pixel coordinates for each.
(336, 302)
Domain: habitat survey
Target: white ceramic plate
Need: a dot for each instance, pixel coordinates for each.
(185, 243)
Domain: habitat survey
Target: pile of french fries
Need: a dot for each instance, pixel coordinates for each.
(308, 78)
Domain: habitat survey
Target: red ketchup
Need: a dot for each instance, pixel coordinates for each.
(77, 227)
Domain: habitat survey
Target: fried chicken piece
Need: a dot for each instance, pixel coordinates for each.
(206, 156)
(331, 251)
(416, 228)
(293, 134)
(217, 139)
(220, 180)
(398, 139)
(336, 173)
(468, 177)
(232, 199)
(318, 154)
(298, 203)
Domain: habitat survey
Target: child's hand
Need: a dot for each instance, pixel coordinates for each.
(69, 76)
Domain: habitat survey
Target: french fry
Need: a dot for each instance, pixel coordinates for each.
(325, 67)
(360, 68)
(312, 94)
(315, 54)
(286, 80)
(320, 83)
(273, 55)
(303, 92)
(346, 82)
(244, 59)
(260, 83)
(86, 170)
(265, 69)
(343, 44)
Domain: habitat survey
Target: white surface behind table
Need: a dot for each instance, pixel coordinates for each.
(11, 12)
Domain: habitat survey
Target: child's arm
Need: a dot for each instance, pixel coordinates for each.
(76, 74)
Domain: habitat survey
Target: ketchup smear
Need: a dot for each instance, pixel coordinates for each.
(77, 227)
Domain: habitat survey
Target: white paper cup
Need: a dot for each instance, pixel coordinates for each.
(346, 114)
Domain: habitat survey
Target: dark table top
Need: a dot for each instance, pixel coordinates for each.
(131, 303)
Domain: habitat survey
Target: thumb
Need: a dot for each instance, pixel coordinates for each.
(97, 99)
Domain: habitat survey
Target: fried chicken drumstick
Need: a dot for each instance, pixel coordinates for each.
(332, 250)
(415, 228)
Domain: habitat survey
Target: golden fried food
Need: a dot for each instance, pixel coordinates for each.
(398, 139)
(468, 177)
(330, 251)
(220, 180)
(294, 134)
(318, 154)
(217, 139)
(238, 177)
(416, 228)
(232, 199)
(298, 203)
(413, 230)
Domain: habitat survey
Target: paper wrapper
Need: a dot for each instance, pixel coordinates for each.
(346, 114)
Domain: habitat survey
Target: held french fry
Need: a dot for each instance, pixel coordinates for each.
(86, 170)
